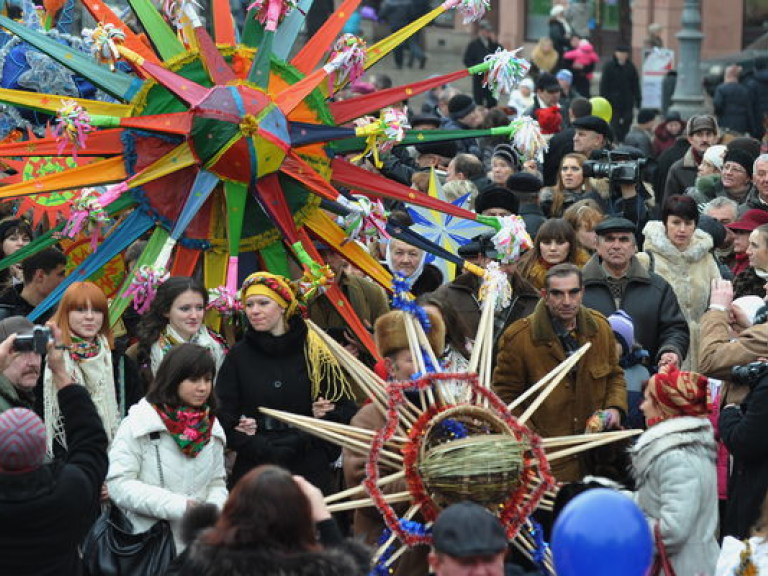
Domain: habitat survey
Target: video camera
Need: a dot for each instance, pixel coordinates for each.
(617, 166)
(34, 341)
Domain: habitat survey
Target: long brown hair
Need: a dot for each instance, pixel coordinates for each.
(80, 295)
(266, 509)
(557, 192)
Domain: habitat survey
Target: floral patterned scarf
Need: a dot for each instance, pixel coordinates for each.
(190, 427)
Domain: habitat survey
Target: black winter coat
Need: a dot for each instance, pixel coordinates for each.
(735, 108)
(271, 371)
(12, 304)
(620, 85)
(744, 431)
(45, 514)
(659, 322)
(560, 145)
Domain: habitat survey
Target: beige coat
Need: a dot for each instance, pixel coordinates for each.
(689, 272)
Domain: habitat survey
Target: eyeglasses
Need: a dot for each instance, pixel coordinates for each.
(733, 167)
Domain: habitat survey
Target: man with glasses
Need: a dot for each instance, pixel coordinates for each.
(615, 279)
(531, 347)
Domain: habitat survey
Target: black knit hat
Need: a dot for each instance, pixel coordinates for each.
(496, 197)
(507, 153)
(460, 106)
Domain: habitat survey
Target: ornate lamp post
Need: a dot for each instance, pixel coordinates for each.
(688, 98)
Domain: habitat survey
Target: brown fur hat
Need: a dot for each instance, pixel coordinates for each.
(390, 336)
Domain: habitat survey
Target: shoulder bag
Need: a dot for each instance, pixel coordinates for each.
(112, 549)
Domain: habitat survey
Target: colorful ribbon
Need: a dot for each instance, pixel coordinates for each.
(143, 287)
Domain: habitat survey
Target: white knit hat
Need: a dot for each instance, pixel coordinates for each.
(714, 155)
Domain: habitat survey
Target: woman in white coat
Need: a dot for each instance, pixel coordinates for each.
(673, 464)
(168, 454)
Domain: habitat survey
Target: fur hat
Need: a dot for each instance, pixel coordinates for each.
(740, 157)
(701, 122)
(390, 336)
(22, 441)
(496, 197)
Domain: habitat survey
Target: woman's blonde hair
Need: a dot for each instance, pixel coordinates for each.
(584, 214)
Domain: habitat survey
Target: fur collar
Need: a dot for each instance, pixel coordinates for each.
(656, 241)
(593, 271)
(541, 324)
(683, 433)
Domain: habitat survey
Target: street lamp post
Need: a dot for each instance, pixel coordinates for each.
(688, 98)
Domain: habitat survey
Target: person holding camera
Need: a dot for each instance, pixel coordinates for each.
(720, 349)
(744, 431)
(18, 379)
(83, 317)
(615, 176)
(46, 508)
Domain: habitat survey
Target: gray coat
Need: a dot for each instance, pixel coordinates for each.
(673, 464)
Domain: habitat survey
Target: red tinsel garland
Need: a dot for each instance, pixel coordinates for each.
(513, 511)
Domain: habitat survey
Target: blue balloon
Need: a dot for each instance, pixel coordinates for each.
(602, 532)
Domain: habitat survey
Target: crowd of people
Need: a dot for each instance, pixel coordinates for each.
(649, 242)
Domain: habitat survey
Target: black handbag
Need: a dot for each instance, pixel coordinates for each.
(112, 549)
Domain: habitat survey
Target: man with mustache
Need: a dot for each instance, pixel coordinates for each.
(531, 347)
(19, 377)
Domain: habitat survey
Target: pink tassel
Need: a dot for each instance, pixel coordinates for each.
(143, 287)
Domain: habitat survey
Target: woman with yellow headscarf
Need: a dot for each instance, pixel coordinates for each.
(280, 364)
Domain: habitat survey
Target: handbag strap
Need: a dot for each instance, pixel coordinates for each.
(662, 560)
(155, 439)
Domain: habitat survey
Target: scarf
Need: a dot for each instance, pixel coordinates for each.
(416, 273)
(96, 374)
(741, 264)
(189, 427)
(83, 349)
(170, 338)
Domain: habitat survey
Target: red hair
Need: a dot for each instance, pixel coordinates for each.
(80, 295)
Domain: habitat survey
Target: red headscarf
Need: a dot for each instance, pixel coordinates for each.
(679, 393)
